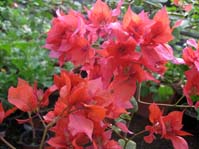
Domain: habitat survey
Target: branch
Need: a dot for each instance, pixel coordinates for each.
(161, 104)
(190, 34)
(7, 143)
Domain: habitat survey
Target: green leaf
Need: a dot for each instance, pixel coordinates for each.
(195, 98)
(155, 4)
(159, 1)
(135, 105)
(164, 93)
(197, 111)
(145, 90)
(165, 90)
(125, 116)
(127, 145)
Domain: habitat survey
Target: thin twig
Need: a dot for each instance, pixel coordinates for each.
(33, 127)
(7, 143)
(47, 127)
(160, 104)
(43, 123)
(138, 133)
(190, 34)
(179, 100)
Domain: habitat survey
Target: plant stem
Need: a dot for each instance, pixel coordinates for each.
(42, 121)
(33, 127)
(179, 100)
(161, 104)
(43, 138)
(118, 134)
(190, 34)
(136, 134)
(46, 130)
(7, 143)
(46, 127)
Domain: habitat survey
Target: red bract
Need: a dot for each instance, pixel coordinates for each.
(100, 13)
(188, 7)
(191, 87)
(160, 30)
(4, 114)
(28, 98)
(155, 51)
(173, 126)
(80, 102)
(95, 112)
(162, 54)
(66, 39)
(151, 35)
(169, 127)
(136, 25)
(190, 56)
(86, 125)
(23, 96)
(176, 2)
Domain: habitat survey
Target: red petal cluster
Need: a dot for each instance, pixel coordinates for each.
(4, 114)
(81, 109)
(169, 127)
(115, 54)
(191, 58)
(27, 98)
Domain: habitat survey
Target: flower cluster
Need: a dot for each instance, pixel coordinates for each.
(191, 58)
(86, 103)
(167, 126)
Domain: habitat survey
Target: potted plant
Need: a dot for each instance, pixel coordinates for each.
(31, 102)
(117, 55)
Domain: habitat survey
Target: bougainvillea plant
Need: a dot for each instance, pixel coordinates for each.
(116, 53)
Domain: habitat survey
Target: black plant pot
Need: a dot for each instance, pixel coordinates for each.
(3, 129)
(190, 122)
(27, 142)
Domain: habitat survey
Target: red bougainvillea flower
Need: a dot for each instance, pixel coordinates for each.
(173, 126)
(169, 127)
(80, 102)
(4, 114)
(99, 18)
(147, 31)
(191, 88)
(85, 102)
(66, 39)
(160, 30)
(162, 53)
(156, 53)
(186, 7)
(190, 56)
(101, 14)
(176, 2)
(26, 97)
(155, 117)
(136, 24)
(23, 96)
(151, 35)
